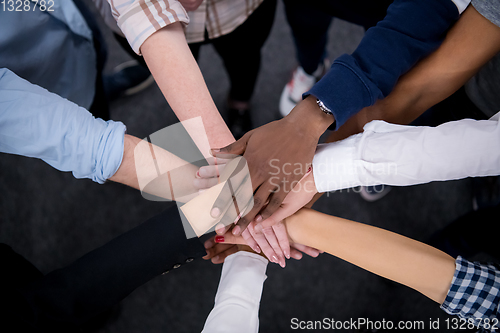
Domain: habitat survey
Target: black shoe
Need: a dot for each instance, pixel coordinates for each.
(239, 122)
(127, 79)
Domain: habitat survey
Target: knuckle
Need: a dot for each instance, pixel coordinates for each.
(257, 202)
(275, 202)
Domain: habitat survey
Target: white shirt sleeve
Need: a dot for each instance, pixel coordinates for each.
(238, 296)
(407, 155)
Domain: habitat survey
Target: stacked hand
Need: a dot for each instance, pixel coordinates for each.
(279, 156)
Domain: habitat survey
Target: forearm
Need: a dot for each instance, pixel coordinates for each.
(379, 251)
(471, 42)
(177, 74)
(410, 31)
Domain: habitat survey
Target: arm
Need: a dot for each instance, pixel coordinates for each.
(471, 42)
(410, 31)
(379, 251)
(469, 290)
(154, 28)
(238, 296)
(92, 284)
(40, 124)
(408, 155)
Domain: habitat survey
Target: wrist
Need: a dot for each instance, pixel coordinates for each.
(294, 225)
(309, 116)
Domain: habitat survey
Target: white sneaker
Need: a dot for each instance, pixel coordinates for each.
(299, 84)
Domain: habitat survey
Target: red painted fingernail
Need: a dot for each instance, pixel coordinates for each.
(219, 239)
(198, 174)
(309, 170)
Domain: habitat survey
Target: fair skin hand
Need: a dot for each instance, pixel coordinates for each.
(469, 44)
(218, 251)
(395, 257)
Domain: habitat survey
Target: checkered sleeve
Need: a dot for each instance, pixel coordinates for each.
(139, 19)
(474, 293)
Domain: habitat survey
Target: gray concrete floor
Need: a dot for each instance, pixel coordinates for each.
(52, 218)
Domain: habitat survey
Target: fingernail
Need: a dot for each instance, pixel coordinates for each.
(258, 218)
(198, 173)
(219, 239)
(258, 228)
(275, 259)
(287, 254)
(215, 212)
(215, 258)
(236, 230)
(309, 170)
(282, 263)
(201, 191)
(216, 150)
(256, 248)
(219, 228)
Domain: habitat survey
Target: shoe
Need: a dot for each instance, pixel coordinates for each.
(299, 84)
(127, 79)
(239, 119)
(374, 193)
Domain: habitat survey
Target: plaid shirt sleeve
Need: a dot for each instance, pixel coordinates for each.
(139, 19)
(474, 293)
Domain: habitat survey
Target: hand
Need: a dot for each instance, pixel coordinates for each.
(209, 175)
(190, 5)
(297, 198)
(236, 191)
(221, 246)
(269, 235)
(278, 155)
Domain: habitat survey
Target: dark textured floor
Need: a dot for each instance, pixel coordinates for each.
(52, 218)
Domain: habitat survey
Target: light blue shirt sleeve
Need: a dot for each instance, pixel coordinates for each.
(40, 124)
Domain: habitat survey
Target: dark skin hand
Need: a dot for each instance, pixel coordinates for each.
(278, 155)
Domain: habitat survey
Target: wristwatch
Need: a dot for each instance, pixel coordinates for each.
(323, 107)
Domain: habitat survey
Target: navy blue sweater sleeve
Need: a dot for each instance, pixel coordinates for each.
(411, 30)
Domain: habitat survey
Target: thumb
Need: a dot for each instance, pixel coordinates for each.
(235, 148)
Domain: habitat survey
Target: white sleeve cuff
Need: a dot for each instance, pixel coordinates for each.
(461, 5)
(243, 275)
(334, 165)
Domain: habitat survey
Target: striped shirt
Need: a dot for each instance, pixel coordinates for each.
(139, 19)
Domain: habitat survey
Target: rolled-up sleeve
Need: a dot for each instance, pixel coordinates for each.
(37, 123)
(139, 19)
(474, 293)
